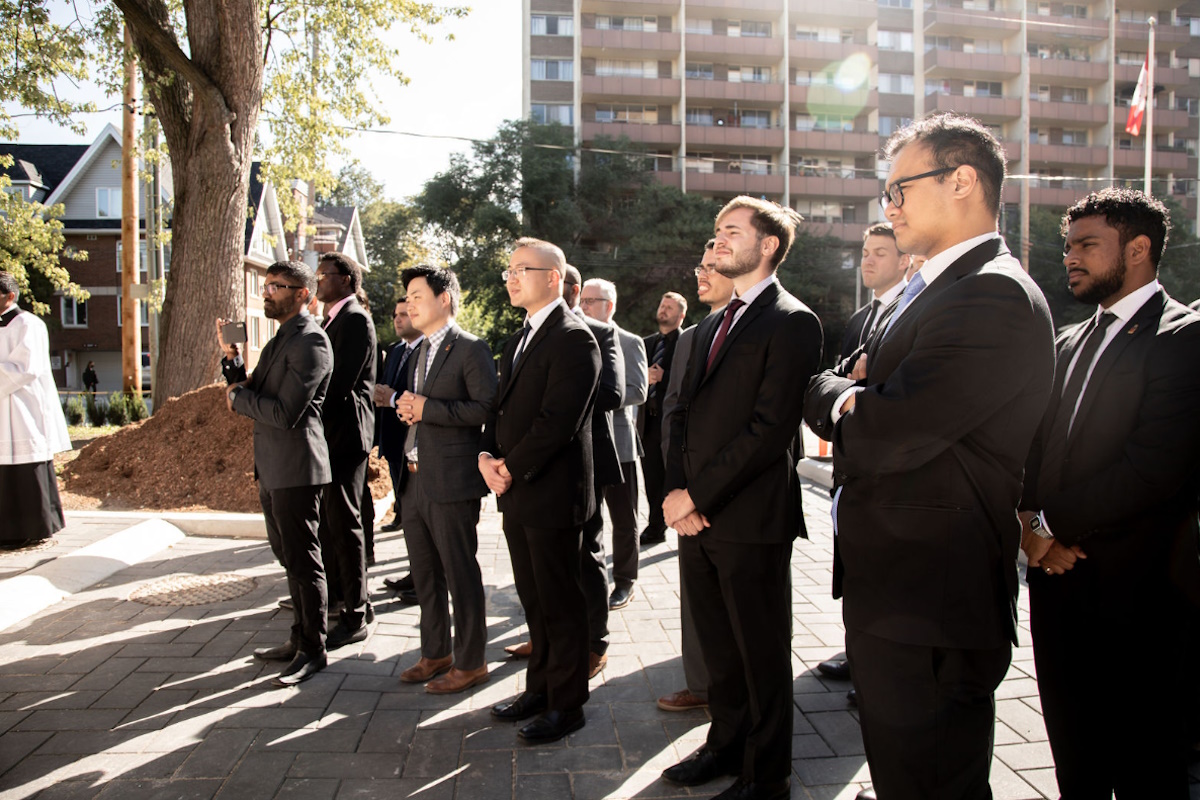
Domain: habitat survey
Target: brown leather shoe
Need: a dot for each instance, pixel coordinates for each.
(426, 669)
(457, 680)
(595, 664)
(522, 650)
(682, 700)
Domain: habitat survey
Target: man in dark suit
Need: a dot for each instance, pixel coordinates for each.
(538, 460)
(660, 351)
(929, 449)
(1110, 509)
(349, 419)
(291, 461)
(389, 429)
(606, 468)
(453, 383)
(599, 301)
(882, 267)
(733, 496)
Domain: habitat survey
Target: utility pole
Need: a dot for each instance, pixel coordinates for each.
(1027, 140)
(131, 329)
(154, 233)
(1149, 100)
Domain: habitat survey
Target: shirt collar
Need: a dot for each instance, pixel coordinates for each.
(534, 321)
(331, 311)
(1130, 304)
(754, 291)
(892, 293)
(935, 266)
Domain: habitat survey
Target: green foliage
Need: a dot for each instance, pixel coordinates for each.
(73, 410)
(118, 412)
(97, 413)
(137, 407)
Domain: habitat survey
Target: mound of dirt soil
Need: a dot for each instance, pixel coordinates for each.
(192, 455)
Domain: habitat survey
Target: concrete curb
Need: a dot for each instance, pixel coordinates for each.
(24, 595)
(820, 472)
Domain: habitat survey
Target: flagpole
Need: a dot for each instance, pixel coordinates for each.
(1149, 100)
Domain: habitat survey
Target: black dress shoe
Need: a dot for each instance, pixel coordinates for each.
(866, 794)
(286, 604)
(302, 668)
(341, 636)
(852, 697)
(748, 790)
(700, 767)
(394, 525)
(652, 537)
(524, 706)
(284, 652)
(408, 598)
(552, 726)
(404, 584)
(620, 597)
(836, 668)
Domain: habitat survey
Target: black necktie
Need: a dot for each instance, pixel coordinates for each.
(521, 345)
(660, 350)
(870, 320)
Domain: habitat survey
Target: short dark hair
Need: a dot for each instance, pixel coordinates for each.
(572, 277)
(1132, 213)
(769, 219)
(295, 272)
(879, 229)
(346, 266)
(8, 283)
(953, 141)
(440, 280)
(710, 244)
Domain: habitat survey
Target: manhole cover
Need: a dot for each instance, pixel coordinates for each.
(44, 544)
(193, 590)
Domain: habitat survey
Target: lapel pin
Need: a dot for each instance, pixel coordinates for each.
(1133, 329)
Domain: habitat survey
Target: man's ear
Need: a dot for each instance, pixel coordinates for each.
(965, 179)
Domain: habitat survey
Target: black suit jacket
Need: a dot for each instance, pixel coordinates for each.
(610, 392)
(734, 433)
(541, 423)
(930, 458)
(1131, 464)
(284, 397)
(389, 430)
(349, 413)
(852, 338)
(459, 388)
(655, 399)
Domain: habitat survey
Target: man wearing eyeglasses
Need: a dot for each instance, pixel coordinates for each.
(537, 458)
(929, 450)
(284, 397)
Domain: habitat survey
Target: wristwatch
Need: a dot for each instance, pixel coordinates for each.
(1035, 525)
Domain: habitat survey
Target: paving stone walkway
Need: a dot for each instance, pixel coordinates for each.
(105, 697)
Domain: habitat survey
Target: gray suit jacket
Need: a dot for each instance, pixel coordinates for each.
(629, 448)
(679, 361)
(460, 388)
(284, 398)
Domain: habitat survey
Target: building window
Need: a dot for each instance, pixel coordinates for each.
(807, 33)
(760, 30)
(981, 89)
(1075, 138)
(73, 313)
(700, 162)
(1075, 11)
(891, 83)
(108, 202)
(611, 68)
(824, 122)
(252, 283)
(547, 113)
(646, 115)
(750, 74)
(900, 41)
(255, 333)
(889, 125)
(894, 3)
(605, 22)
(1074, 94)
(143, 313)
(750, 165)
(699, 72)
(552, 25)
(701, 26)
(806, 77)
(143, 264)
(549, 69)
(755, 119)
(700, 116)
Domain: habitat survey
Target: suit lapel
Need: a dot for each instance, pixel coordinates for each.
(440, 357)
(272, 350)
(752, 312)
(509, 373)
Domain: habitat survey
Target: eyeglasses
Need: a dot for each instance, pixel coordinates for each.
(272, 288)
(698, 271)
(519, 272)
(894, 194)
(587, 301)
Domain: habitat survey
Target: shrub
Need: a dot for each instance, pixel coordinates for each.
(96, 412)
(73, 409)
(137, 407)
(118, 409)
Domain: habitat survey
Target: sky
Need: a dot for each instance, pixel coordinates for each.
(484, 59)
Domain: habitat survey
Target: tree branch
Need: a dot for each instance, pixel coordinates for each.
(169, 50)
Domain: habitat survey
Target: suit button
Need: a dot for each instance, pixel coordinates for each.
(683, 448)
(501, 412)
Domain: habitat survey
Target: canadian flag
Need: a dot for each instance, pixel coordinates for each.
(1137, 106)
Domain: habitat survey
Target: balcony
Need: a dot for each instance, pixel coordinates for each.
(1165, 119)
(734, 183)
(759, 6)
(835, 142)
(658, 8)
(848, 13)
(662, 45)
(1056, 113)
(642, 134)
(1171, 77)
(826, 188)
(809, 54)
(1064, 69)
(846, 231)
(752, 50)
(668, 178)
(1061, 30)
(1056, 196)
(1135, 35)
(1162, 161)
(597, 87)
(727, 137)
(1068, 155)
(742, 92)
(983, 108)
(946, 21)
(1012, 151)
(826, 99)
(988, 66)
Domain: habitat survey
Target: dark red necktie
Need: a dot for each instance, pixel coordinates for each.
(722, 332)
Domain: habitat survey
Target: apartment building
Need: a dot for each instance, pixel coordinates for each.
(792, 99)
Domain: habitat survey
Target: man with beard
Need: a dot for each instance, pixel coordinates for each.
(1110, 509)
(734, 498)
(349, 419)
(714, 290)
(883, 267)
(660, 348)
(291, 460)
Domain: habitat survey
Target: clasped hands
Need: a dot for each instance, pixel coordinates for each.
(680, 513)
(410, 407)
(1049, 555)
(495, 473)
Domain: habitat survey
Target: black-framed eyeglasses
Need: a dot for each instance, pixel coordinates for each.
(272, 288)
(698, 271)
(894, 194)
(519, 272)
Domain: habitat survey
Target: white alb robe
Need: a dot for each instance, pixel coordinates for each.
(32, 426)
